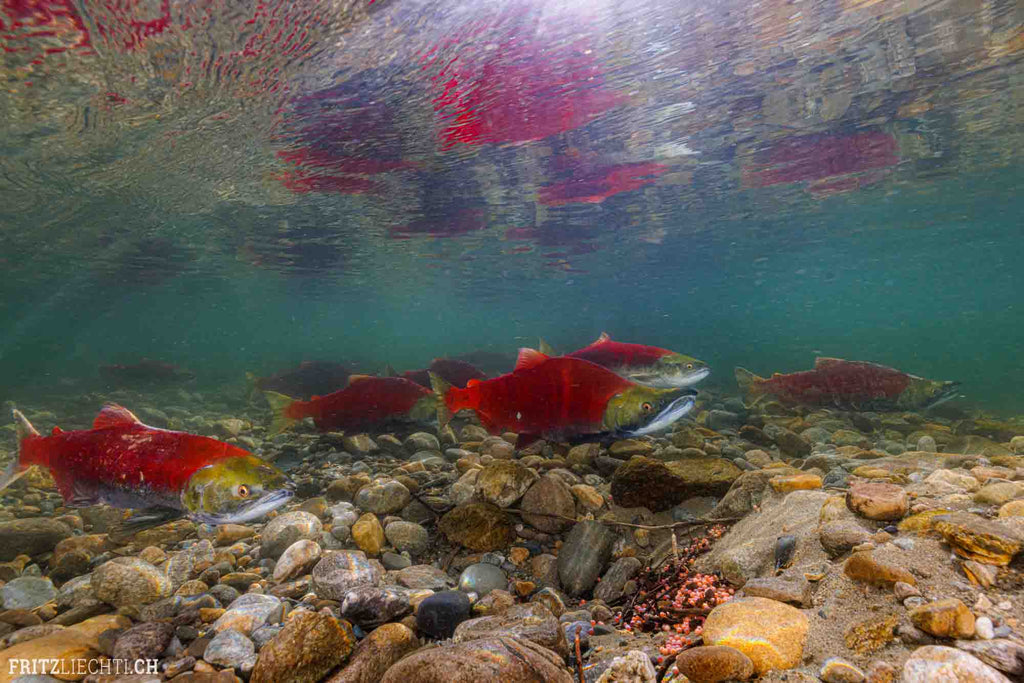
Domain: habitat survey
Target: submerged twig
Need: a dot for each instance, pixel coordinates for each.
(648, 527)
(579, 657)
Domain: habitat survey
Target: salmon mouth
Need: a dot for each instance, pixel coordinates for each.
(948, 393)
(254, 510)
(669, 415)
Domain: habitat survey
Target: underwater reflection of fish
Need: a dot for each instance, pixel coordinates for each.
(648, 365)
(849, 384)
(366, 402)
(143, 372)
(159, 473)
(456, 372)
(563, 399)
(310, 378)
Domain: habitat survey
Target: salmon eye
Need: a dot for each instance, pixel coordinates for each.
(243, 491)
(689, 366)
(646, 407)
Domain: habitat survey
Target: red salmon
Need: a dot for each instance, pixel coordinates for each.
(366, 402)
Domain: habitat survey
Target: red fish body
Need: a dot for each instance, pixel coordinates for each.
(608, 353)
(554, 398)
(365, 403)
(855, 384)
(649, 365)
(122, 462)
(455, 372)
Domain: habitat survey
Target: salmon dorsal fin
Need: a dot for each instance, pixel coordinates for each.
(529, 358)
(55, 431)
(352, 379)
(605, 337)
(114, 415)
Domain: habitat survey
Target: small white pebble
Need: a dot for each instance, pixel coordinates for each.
(984, 629)
(1004, 605)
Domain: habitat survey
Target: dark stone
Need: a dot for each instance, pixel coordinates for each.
(438, 615)
(370, 606)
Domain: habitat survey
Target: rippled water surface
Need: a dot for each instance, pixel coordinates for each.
(236, 186)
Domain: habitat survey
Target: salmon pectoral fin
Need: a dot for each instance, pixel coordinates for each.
(142, 520)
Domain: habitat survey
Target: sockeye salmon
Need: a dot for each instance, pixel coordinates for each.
(647, 365)
(856, 385)
(563, 399)
(159, 473)
(367, 402)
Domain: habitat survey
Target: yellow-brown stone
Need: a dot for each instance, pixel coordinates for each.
(368, 534)
(1015, 508)
(878, 501)
(872, 634)
(772, 634)
(864, 567)
(65, 652)
(922, 521)
(795, 482)
(979, 539)
(947, 618)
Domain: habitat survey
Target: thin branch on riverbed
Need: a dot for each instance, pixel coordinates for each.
(648, 527)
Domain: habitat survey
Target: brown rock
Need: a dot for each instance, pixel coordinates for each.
(306, 649)
(714, 663)
(226, 534)
(61, 649)
(947, 618)
(503, 482)
(863, 567)
(532, 621)
(878, 501)
(486, 659)
(842, 536)
(770, 633)
(478, 526)
(657, 486)
(793, 590)
(376, 653)
(549, 495)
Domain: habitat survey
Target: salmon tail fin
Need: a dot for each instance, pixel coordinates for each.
(546, 348)
(18, 465)
(441, 389)
(279, 406)
(751, 386)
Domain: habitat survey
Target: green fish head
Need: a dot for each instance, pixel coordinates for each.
(642, 410)
(671, 371)
(236, 490)
(927, 393)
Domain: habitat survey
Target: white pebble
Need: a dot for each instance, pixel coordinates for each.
(984, 629)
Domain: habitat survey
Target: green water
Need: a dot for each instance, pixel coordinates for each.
(161, 227)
